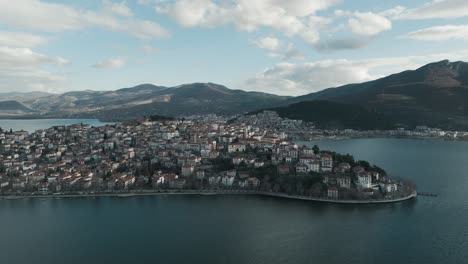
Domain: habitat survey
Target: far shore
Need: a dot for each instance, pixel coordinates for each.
(207, 192)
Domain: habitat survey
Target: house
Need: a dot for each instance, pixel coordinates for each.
(389, 187)
(314, 166)
(364, 180)
(251, 182)
(236, 147)
(258, 163)
(129, 181)
(227, 180)
(187, 170)
(306, 151)
(237, 160)
(344, 181)
(302, 168)
(200, 174)
(161, 179)
(43, 187)
(231, 173)
(332, 193)
(4, 184)
(213, 180)
(326, 162)
(177, 183)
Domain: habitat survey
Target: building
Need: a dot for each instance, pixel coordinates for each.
(227, 180)
(332, 193)
(302, 168)
(326, 161)
(200, 174)
(389, 187)
(258, 163)
(314, 166)
(178, 183)
(214, 180)
(236, 147)
(237, 160)
(187, 170)
(344, 181)
(364, 180)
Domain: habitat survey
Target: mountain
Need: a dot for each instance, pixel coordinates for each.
(91, 101)
(22, 97)
(148, 99)
(197, 98)
(332, 115)
(13, 108)
(435, 95)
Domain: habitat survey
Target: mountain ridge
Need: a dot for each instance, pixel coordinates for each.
(435, 94)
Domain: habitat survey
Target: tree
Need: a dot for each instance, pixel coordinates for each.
(316, 149)
(364, 164)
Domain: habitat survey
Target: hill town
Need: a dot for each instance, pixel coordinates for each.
(205, 153)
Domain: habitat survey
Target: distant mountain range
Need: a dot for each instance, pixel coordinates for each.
(147, 99)
(435, 95)
(14, 108)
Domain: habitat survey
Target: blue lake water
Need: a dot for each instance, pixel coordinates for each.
(248, 229)
(32, 125)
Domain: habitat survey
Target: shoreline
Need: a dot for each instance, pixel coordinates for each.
(210, 193)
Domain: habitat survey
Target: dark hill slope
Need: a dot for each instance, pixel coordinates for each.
(332, 115)
(435, 94)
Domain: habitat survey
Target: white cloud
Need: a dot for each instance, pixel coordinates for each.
(303, 78)
(39, 15)
(393, 13)
(23, 56)
(52, 17)
(20, 39)
(20, 70)
(331, 45)
(293, 53)
(111, 63)
(440, 33)
(268, 43)
(119, 8)
(296, 79)
(438, 9)
(292, 17)
(148, 2)
(368, 23)
(148, 49)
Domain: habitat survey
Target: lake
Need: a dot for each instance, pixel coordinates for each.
(249, 229)
(32, 125)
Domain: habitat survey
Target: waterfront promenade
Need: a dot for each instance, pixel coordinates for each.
(205, 192)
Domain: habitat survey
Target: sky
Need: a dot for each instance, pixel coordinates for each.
(291, 47)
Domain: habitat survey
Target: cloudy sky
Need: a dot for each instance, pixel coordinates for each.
(288, 47)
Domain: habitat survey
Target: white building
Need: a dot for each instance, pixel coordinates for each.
(236, 147)
(332, 193)
(227, 180)
(364, 180)
(314, 166)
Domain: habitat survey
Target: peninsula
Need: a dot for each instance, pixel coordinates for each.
(202, 155)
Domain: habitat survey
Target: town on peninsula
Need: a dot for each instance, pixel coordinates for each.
(252, 154)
